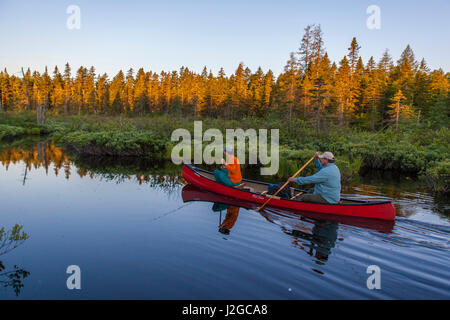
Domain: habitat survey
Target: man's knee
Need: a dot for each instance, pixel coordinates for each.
(315, 198)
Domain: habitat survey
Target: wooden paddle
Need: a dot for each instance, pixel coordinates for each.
(284, 185)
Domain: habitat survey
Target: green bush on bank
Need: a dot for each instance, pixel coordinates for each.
(116, 143)
(9, 132)
(437, 176)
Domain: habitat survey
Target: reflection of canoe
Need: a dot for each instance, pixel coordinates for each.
(193, 193)
(383, 210)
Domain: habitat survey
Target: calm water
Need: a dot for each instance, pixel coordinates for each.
(128, 228)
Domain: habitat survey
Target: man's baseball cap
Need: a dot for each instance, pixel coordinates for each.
(327, 155)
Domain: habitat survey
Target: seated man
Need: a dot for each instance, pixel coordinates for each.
(230, 172)
(327, 181)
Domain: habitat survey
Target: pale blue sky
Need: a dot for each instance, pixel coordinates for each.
(165, 35)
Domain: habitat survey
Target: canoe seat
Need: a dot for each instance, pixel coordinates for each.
(296, 195)
(240, 186)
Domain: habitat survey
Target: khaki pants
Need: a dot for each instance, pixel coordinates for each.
(315, 198)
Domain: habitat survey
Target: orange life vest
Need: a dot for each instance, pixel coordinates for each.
(234, 169)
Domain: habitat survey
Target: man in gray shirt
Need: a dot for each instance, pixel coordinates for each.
(327, 181)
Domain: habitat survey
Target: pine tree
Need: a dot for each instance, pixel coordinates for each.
(306, 95)
(317, 48)
(117, 93)
(356, 70)
(238, 90)
(80, 88)
(89, 89)
(305, 50)
(57, 98)
(43, 96)
(342, 89)
(68, 88)
(398, 108)
(291, 83)
(421, 89)
(102, 93)
(28, 83)
(129, 94)
(267, 91)
(322, 88)
(404, 73)
(256, 87)
(153, 90)
(353, 55)
(140, 99)
(222, 91)
(371, 92)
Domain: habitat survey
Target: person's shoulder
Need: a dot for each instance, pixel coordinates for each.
(335, 167)
(331, 166)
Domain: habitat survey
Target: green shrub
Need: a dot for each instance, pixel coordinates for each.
(8, 132)
(33, 131)
(117, 143)
(437, 176)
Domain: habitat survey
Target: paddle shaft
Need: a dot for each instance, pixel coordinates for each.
(284, 185)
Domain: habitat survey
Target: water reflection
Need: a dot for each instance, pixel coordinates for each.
(232, 213)
(164, 175)
(13, 276)
(406, 193)
(192, 193)
(46, 155)
(315, 237)
(315, 234)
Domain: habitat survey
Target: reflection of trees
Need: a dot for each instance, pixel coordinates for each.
(38, 155)
(164, 176)
(404, 191)
(160, 175)
(10, 240)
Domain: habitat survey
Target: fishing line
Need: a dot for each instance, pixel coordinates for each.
(169, 212)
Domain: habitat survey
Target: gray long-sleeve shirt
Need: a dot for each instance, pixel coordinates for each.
(327, 181)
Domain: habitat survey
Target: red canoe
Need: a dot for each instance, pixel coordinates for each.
(252, 190)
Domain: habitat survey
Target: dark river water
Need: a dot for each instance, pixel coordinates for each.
(134, 234)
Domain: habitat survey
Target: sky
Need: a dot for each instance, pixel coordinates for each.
(165, 35)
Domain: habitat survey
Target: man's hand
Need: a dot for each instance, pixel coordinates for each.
(291, 179)
(316, 156)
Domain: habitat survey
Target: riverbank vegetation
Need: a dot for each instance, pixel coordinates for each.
(413, 148)
(382, 115)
